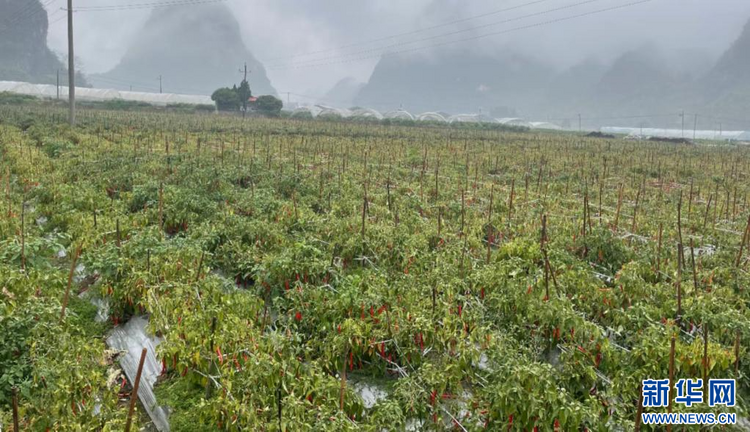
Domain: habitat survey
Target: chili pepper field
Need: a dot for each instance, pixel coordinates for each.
(329, 276)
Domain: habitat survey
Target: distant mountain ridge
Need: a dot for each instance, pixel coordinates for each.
(195, 49)
(24, 55)
(640, 87)
(454, 81)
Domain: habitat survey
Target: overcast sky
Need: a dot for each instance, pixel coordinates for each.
(274, 30)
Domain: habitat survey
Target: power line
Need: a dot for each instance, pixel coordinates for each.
(25, 13)
(57, 20)
(481, 36)
(30, 9)
(455, 32)
(153, 5)
(394, 36)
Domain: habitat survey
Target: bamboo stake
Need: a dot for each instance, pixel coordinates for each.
(134, 394)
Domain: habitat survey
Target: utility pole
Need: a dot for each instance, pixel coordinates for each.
(244, 102)
(682, 115)
(579, 123)
(58, 84)
(159, 84)
(695, 126)
(287, 98)
(71, 69)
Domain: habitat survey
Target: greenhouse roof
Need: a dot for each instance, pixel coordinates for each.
(96, 94)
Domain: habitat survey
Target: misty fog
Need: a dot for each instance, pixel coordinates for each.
(273, 29)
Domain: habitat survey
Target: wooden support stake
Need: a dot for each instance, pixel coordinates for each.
(658, 251)
(134, 394)
(671, 379)
(692, 263)
(510, 201)
(737, 355)
(161, 208)
(16, 428)
(705, 357)
(639, 409)
(70, 282)
(744, 240)
(619, 205)
(490, 232)
(23, 237)
(342, 391)
(210, 353)
(678, 283)
(200, 267)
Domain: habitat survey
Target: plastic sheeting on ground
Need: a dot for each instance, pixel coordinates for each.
(130, 339)
(679, 133)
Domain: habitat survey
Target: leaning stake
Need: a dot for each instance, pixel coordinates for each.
(70, 282)
(134, 394)
(15, 410)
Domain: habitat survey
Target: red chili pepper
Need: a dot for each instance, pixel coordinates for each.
(298, 316)
(557, 425)
(286, 285)
(351, 361)
(221, 357)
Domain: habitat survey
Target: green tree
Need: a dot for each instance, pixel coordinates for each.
(226, 99)
(269, 105)
(244, 93)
